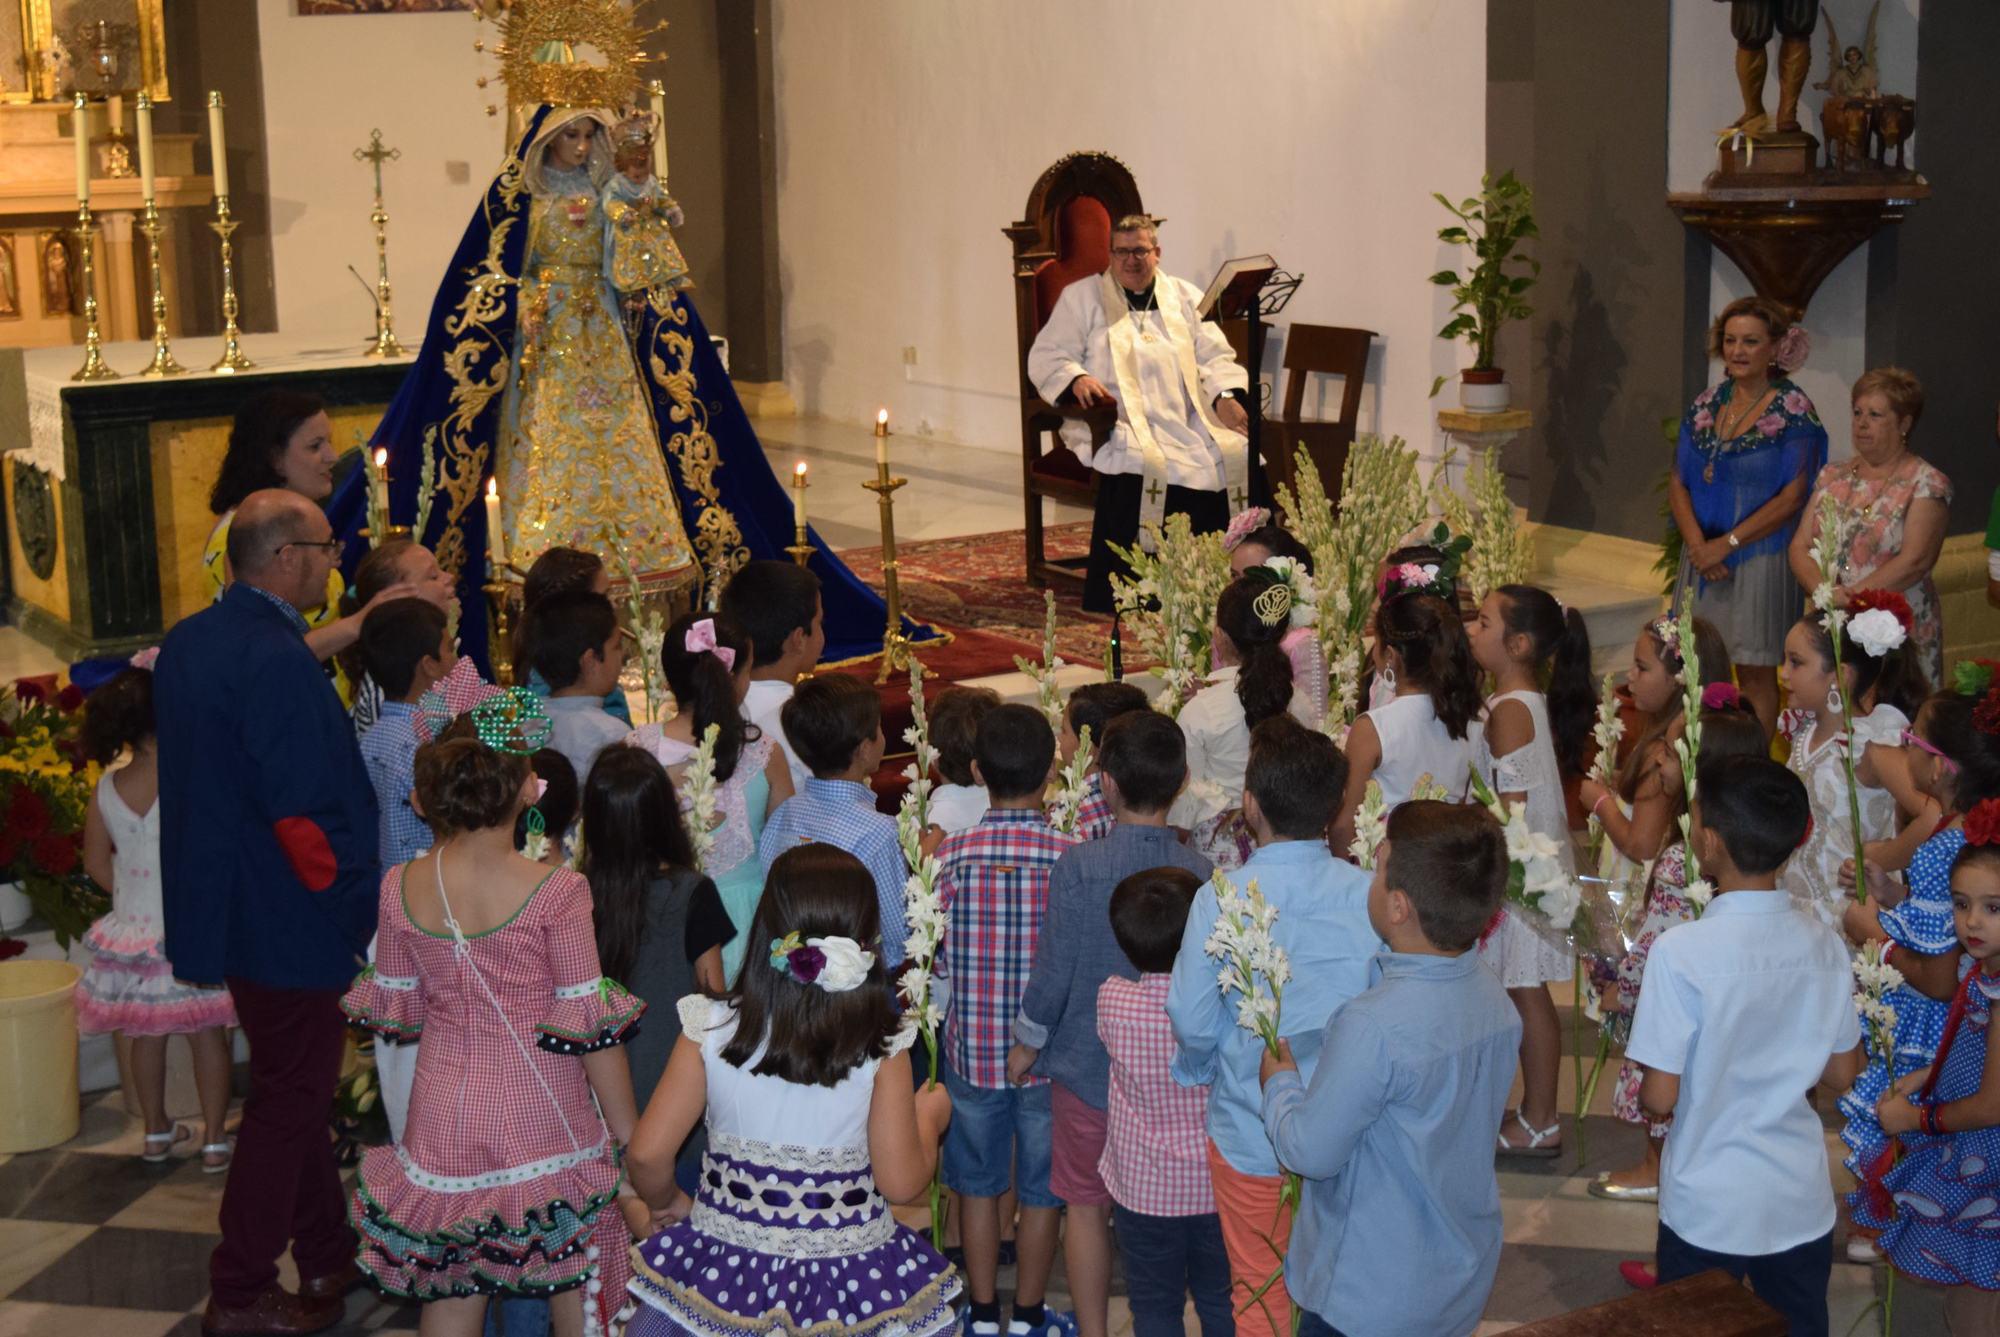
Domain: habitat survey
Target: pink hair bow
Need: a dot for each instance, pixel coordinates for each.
(146, 658)
(454, 694)
(701, 640)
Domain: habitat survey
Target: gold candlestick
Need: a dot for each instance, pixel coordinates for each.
(801, 545)
(93, 368)
(232, 359)
(385, 344)
(500, 648)
(896, 651)
(163, 363)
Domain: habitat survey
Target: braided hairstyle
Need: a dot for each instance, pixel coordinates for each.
(1264, 679)
(1429, 642)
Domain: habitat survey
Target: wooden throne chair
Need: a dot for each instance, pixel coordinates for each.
(1064, 235)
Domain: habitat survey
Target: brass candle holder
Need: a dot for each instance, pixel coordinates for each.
(896, 651)
(163, 363)
(93, 368)
(232, 359)
(386, 344)
(500, 642)
(801, 545)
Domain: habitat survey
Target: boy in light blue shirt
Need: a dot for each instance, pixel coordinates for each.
(1398, 1230)
(1291, 785)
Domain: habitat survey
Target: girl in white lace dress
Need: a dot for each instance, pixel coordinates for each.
(706, 659)
(813, 1130)
(1522, 637)
(1881, 697)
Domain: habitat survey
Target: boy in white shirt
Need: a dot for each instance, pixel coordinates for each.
(1745, 1010)
(958, 803)
(778, 603)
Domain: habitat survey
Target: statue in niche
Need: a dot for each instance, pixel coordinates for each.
(1851, 72)
(10, 288)
(1752, 23)
(58, 292)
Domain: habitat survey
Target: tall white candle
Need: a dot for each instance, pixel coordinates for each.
(145, 107)
(380, 480)
(496, 538)
(799, 495)
(217, 145)
(882, 438)
(659, 93)
(80, 131)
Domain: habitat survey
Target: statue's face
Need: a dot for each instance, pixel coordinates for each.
(1852, 56)
(571, 146)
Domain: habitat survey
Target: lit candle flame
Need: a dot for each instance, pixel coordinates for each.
(799, 472)
(382, 457)
(493, 489)
(882, 417)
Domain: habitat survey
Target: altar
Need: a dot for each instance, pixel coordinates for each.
(106, 482)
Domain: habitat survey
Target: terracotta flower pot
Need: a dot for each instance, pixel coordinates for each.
(1484, 391)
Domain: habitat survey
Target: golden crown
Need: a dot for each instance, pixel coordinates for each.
(539, 42)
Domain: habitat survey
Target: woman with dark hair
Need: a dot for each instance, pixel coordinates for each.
(283, 439)
(1254, 539)
(706, 659)
(1749, 450)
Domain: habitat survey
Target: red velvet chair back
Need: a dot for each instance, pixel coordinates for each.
(1083, 248)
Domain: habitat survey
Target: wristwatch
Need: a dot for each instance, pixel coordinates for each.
(1734, 542)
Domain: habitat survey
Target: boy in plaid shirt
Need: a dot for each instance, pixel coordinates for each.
(1156, 1137)
(994, 883)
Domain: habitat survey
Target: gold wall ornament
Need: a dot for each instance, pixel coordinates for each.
(539, 39)
(385, 345)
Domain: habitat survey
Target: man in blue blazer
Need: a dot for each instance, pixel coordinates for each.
(269, 876)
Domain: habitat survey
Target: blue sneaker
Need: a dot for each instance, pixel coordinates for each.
(1055, 1323)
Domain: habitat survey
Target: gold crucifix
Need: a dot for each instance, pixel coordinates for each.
(385, 345)
(1152, 489)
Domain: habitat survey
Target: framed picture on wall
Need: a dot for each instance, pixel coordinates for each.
(381, 6)
(96, 47)
(17, 71)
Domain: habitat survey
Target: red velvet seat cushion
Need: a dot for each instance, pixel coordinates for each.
(1083, 248)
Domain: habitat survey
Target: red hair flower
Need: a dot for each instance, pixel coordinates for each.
(1889, 601)
(1982, 824)
(1986, 715)
(1721, 696)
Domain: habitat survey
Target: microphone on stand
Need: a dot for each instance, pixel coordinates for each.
(375, 301)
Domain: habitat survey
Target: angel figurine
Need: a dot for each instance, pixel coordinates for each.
(1851, 72)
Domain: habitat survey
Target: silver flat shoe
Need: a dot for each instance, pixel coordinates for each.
(1602, 1187)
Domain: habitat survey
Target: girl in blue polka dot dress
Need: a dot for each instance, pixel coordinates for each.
(1946, 1187)
(813, 1130)
(1954, 757)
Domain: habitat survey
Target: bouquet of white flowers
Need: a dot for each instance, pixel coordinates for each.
(1874, 980)
(698, 783)
(1168, 603)
(1536, 879)
(923, 909)
(1680, 638)
(1067, 805)
(1047, 695)
(1608, 732)
(1371, 825)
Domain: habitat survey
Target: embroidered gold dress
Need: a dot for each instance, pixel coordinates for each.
(580, 463)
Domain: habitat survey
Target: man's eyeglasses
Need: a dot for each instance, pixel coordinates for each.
(1132, 252)
(1911, 740)
(331, 547)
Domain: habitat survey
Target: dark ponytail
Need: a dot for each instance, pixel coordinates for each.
(1264, 679)
(1894, 678)
(1429, 640)
(704, 685)
(1561, 643)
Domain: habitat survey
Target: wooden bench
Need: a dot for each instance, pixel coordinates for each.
(1713, 1304)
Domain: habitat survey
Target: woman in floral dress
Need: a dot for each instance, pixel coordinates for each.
(1893, 505)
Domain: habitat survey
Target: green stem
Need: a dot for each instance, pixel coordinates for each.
(1853, 786)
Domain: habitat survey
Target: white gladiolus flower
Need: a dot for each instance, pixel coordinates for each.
(1699, 893)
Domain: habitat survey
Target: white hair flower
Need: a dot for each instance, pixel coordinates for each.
(1878, 631)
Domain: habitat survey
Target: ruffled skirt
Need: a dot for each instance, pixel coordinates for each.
(130, 987)
(1947, 1196)
(1871, 1151)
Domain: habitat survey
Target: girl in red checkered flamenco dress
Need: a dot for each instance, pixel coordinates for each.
(502, 1181)
(803, 1072)
(129, 985)
(1946, 1187)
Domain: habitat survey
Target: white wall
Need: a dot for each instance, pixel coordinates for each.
(1705, 97)
(910, 133)
(328, 81)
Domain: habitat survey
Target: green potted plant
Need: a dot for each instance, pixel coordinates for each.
(1494, 224)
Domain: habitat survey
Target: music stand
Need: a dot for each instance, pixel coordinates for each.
(1253, 288)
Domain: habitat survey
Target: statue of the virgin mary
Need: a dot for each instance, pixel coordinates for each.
(565, 361)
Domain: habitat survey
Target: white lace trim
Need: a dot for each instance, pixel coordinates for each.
(517, 1174)
(584, 990)
(400, 983)
(694, 1010)
(809, 1160)
(797, 1241)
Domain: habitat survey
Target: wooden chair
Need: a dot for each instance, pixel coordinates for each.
(1317, 350)
(1064, 235)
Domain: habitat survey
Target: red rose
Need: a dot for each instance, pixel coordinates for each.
(56, 854)
(1889, 600)
(1982, 824)
(28, 814)
(28, 691)
(69, 699)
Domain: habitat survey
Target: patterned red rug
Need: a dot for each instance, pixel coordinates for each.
(977, 580)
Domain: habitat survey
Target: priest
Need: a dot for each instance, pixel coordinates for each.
(1131, 338)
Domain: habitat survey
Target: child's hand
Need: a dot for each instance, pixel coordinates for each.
(1276, 1063)
(932, 838)
(1910, 1085)
(933, 1112)
(1590, 793)
(1020, 1058)
(1896, 1114)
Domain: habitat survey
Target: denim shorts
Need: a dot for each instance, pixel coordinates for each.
(997, 1138)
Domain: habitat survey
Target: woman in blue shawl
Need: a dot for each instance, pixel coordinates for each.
(1749, 450)
(463, 403)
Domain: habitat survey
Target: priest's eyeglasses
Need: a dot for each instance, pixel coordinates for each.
(331, 547)
(1132, 252)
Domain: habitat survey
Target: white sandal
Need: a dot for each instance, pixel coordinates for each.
(226, 1149)
(1542, 1143)
(160, 1146)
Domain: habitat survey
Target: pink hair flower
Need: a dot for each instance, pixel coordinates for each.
(1792, 350)
(1245, 523)
(1721, 696)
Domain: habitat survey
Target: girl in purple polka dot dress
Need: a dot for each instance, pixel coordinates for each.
(813, 1130)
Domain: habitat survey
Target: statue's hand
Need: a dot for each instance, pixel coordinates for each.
(675, 217)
